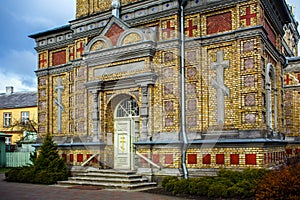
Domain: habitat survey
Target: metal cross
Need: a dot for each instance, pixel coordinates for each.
(59, 88)
(218, 84)
(122, 141)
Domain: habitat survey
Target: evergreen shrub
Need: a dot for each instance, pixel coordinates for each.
(226, 184)
(48, 167)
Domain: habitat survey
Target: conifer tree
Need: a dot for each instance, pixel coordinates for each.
(49, 163)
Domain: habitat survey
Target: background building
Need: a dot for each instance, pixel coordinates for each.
(18, 110)
(109, 84)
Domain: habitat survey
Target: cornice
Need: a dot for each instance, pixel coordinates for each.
(143, 49)
(54, 70)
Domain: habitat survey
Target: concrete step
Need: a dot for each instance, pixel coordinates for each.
(108, 179)
(105, 179)
(100, 174)
(136, 186)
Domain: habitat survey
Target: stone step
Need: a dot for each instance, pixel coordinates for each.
(103, 171)
(105, 179)
(108, 179)
(137, 186)
(99, 174)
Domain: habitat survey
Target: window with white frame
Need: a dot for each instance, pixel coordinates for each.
(24, 117)
(7, 119)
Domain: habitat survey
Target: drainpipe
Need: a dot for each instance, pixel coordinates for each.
(182, 63)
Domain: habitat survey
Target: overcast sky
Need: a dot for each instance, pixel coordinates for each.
(20, 18)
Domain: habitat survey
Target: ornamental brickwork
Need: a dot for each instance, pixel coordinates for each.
(235, 100)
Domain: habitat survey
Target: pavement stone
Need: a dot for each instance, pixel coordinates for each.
(23, 191)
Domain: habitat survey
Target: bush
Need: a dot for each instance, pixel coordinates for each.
(280, 184)
(217, 190)
(228, 183)
(48, 167)
(181, 187)
(200, 186)
(168, 179)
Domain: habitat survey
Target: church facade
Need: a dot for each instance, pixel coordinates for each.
(170, 87)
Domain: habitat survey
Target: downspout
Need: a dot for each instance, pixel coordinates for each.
(182, 63)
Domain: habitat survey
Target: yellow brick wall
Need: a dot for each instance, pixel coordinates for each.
(16, 117)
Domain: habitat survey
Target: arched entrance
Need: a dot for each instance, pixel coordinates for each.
(126, 129)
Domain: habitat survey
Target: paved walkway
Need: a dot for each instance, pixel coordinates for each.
(22, 191)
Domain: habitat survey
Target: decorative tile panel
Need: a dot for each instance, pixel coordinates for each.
(219, 23)
(58, 58)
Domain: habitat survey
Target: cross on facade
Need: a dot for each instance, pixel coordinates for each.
(122, 141)
(43, 60)
(288, 79)
(80, 49)
(190, 28)
(168, 29)
(248, 16)
(218, 84)
(59, 88)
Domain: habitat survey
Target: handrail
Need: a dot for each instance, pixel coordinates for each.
(148, 160)
(88, 160)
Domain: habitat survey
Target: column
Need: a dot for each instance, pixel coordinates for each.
(95, 115)
(144, 113)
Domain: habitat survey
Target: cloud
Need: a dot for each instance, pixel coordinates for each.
(17, 69)
(19, 83)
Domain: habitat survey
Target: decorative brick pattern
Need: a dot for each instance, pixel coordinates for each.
(43, 62)
(59, 58)
(192, 121)
(156, 158)
(169, 159)
(271, 34)
(250, 159)
(191, 72)
(234, 159)
(168, 89)
(250, 118)
(219, 23)
(206, 159)
(192, 159)
(79, 157)
(247, 16)
(248, 46)
(191, 27)
(249, 63)
(168, 29)
(220, 159)
(249, 81)
(249, 100)
(168, 57)
(114, 33)
(192, 104)
(169, 106)
(168, 73)
(79, 49)
(71, 157)
(191, 56)
(169, 121)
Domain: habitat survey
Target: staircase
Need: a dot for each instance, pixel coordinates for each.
(108, 179)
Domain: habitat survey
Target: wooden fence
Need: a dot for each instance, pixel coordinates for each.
(17, 159)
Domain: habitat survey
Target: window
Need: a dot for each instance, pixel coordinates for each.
(24, 117)
(128, 108)
(7, 120)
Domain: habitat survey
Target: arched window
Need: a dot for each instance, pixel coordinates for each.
(128, 108)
